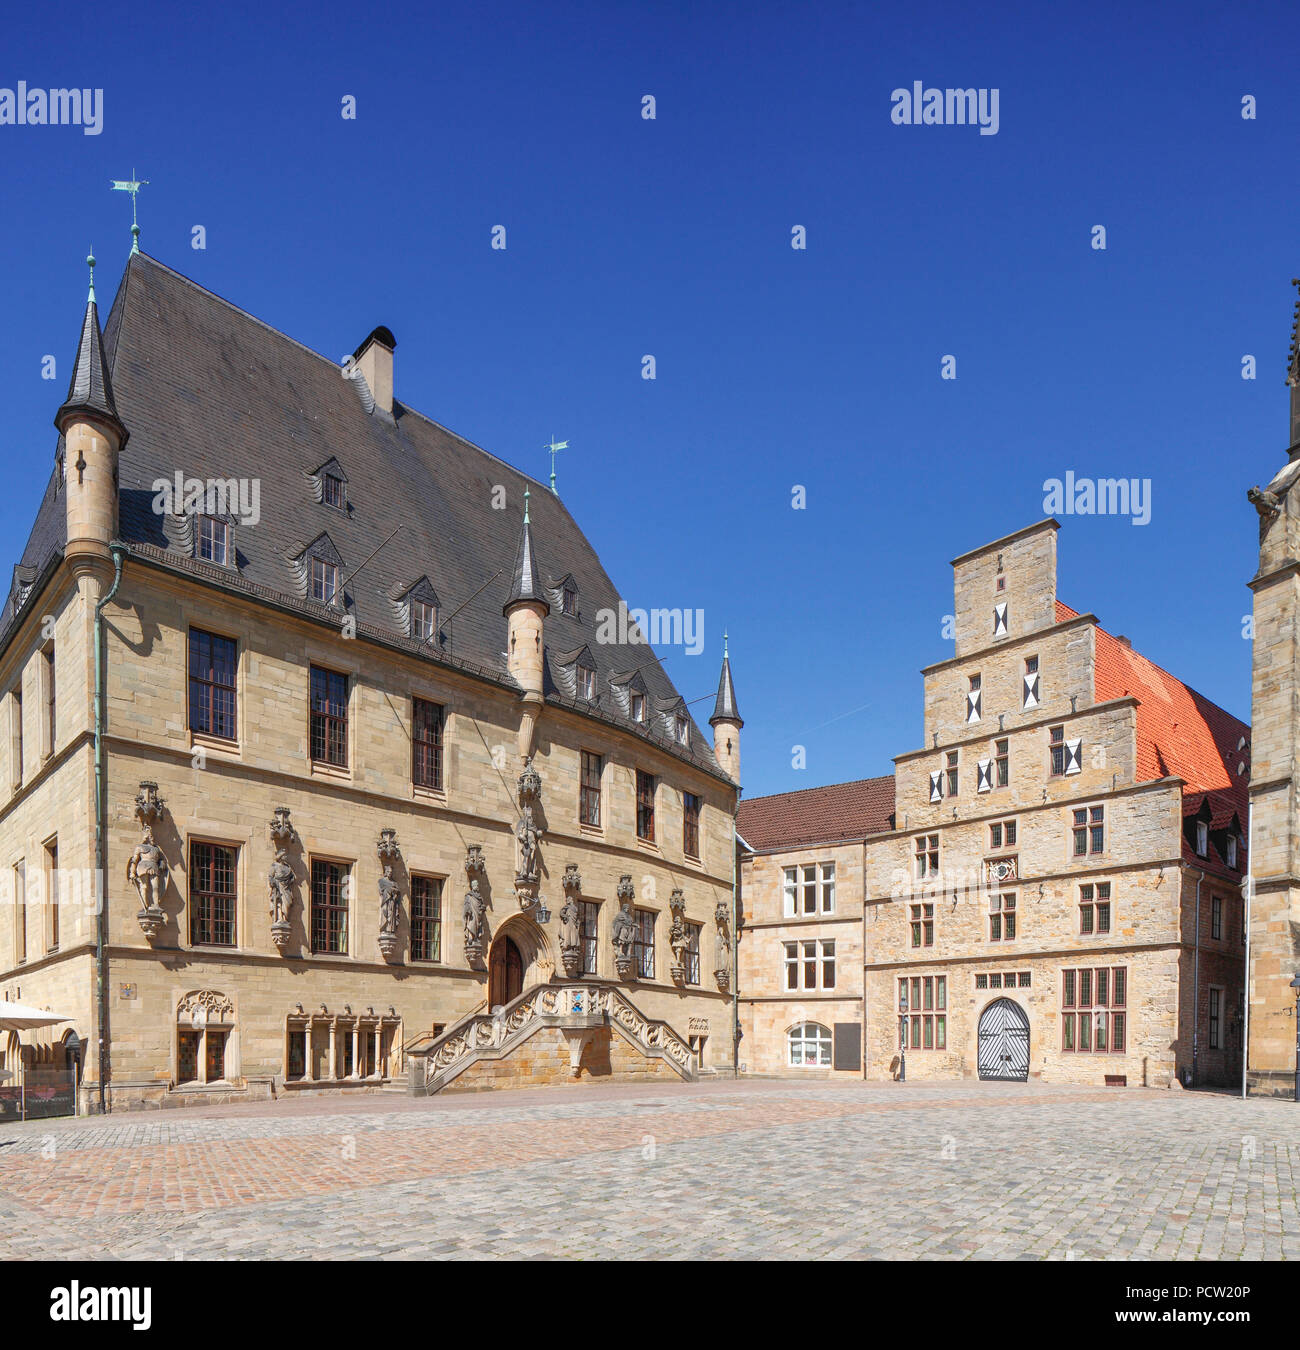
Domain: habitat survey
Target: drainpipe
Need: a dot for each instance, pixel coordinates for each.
(1196, 980)
(118, 550)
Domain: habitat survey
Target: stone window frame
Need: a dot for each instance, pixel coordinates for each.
(694, 934)
(800, 956)
(1093, 903)
(46, 673)
(797, 886)
(1081, 1006)
(197, 734)
(435, 920)
(1002, 916)
(647, 788)
(590, 792)
(1094, 819)
(349, 682)
(920, 921)
(234, 846)
(926, 1022)
(691, 825)
(952, 773)
(348, 867)
(1008, 832)
(808, 1035)
(438, 747)
(589, 935)
(643, 943)
(925, 855)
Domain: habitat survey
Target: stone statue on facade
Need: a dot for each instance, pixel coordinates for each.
(677, 936)
(279, 882)
(623, 934)
(528, 833)
(722, 968)
(390, 897)
(147, 870)
(571, 922)
(473, 913)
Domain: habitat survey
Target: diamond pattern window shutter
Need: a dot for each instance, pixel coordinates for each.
(936, 786)
(1000, 619)
(1031, 691)
(984, 781)
(973, 703)
(1074, 756)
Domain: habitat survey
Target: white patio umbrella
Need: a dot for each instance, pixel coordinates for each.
(23, 1017)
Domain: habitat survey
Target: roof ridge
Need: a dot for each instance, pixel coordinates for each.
(821, 787)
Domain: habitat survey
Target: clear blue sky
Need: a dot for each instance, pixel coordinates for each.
(671, 237)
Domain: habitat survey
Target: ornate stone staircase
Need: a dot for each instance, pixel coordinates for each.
(580, 1012)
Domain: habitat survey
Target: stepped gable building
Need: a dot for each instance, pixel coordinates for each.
(366, 776)
(1275, 767)
(1052, 882)
(801, 895)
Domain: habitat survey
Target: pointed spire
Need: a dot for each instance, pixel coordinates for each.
(91, 390)
(526, 584)
(724, 706)
(1293, 368)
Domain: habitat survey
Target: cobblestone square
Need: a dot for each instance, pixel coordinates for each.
(757, 1169)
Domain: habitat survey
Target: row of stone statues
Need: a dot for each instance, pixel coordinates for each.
(148, 871)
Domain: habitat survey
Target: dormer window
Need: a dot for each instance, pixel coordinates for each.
(638, 707)
(569, 601)
(213, 540)
(324, 581)
(424, 619)
(1231, 853)
(1202, 838)
(683, 730)
(587, 683)
(332, 491)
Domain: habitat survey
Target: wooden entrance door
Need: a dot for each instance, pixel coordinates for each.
(505, 973)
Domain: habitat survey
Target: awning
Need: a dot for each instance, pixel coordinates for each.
(23, 1017)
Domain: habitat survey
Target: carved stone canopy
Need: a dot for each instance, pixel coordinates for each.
(572, 881)
(626, 890)
(387, 846)
(474, 862)
(149, 806)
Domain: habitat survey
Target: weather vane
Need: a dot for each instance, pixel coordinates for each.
(553, 446)
(133, 186)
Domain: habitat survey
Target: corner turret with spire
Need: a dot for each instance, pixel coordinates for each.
(726, 720)
(526, 609)
(93, 437)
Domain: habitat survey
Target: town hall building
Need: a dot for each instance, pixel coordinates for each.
(318, 772)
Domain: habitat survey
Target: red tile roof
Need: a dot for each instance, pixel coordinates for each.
(819, 815)
(1179, 733)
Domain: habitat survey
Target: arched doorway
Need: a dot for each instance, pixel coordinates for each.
(505, 972)
(1004, 1041)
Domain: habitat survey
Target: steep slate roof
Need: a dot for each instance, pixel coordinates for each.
(820, 815)
(205, 388)
(1179, 733)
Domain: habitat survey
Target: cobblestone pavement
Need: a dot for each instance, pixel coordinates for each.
(760, 1168)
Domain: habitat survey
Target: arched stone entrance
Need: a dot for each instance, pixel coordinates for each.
(520, 957)
(1004, 1041)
